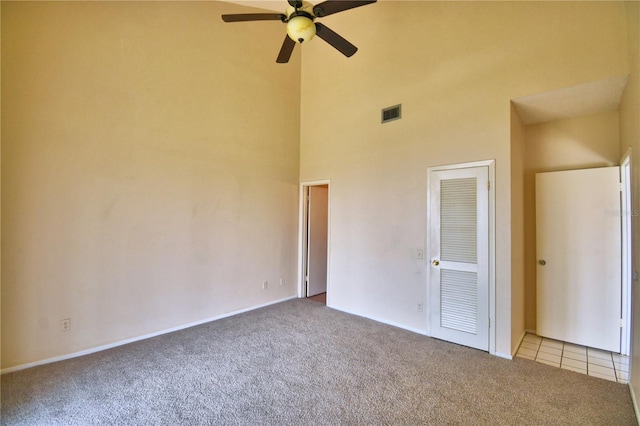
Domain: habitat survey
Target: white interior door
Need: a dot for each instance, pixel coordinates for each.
(579, 256)
(459, 255)
(318, 208)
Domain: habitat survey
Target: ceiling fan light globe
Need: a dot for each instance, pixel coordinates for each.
(301, 29)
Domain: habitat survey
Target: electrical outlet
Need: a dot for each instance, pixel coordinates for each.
(419, 307)
(281, 281)
(265, 285)
(65, 324)
(419, 254)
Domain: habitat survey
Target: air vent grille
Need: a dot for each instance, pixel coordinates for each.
(391, 113)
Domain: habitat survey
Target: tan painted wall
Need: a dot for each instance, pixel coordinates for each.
(150, 162)
(630, 136)
(454, 66)
(575, 143)
(517, 229)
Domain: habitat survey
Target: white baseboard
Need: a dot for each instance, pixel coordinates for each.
(501, 355)
(383, 321)
(136, 339)
(404, 327)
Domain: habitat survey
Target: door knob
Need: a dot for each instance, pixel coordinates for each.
(542, 262)
(435, 262)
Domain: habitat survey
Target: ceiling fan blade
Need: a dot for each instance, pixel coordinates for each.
(335, 40)
(286, 50)
(334, 6)
(242, 17)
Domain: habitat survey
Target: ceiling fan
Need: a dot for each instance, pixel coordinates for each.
(299, 18)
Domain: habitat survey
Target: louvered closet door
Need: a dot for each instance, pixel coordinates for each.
(459, 256)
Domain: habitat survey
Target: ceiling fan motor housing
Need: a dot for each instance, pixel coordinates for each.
(300, 26)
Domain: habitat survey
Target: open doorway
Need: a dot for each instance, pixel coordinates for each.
(314, 241)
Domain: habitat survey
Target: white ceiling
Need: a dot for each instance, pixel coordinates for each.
(575, 101)
(273, 5)
(278, 6)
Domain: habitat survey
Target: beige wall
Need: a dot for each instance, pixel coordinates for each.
(454, 66)
(517, 229)
(630, 137)
(150, 162)
(574, 143)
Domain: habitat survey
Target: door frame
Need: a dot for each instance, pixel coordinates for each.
(626, 221)
(490, 164)
(303, 216)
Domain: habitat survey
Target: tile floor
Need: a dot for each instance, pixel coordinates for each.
(594, 362)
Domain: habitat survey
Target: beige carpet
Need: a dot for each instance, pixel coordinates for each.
(301, 363)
